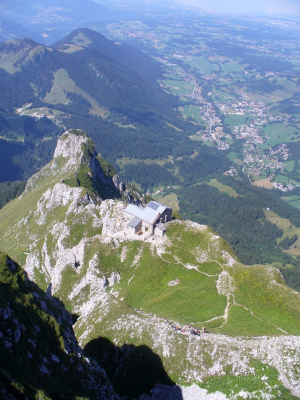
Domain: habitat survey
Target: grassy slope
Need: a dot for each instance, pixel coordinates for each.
(255, 294)
(14, 238)
(258, 301)
(223, 188)
(62, 84)
(209, 290)
(259, 304)
(19, 221)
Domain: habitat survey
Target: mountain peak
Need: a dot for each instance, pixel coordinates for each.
(70, 146)
(77, 164)
(84, 37)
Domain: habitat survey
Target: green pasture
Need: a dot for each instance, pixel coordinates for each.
(193, 112)
(179, 87)
(201, 63)
(231, 67)
(223, 188)
(130, 126)
(171, 76)
(170, 200)
(288, 230)
(9, 61)
(278, 133)
(128, 160)
(266, 98)
(259, 308)
(234, 158)
(284, 179)
(270, 304)
(62, 84)
(197, 138)
(292, 201)
(290, 87)
(236, 119)
(221, 92)
(289, 165)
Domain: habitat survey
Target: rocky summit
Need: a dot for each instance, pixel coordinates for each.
(171, 317)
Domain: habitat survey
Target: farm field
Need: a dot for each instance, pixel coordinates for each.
(278, 133)
(192, 112)
(201, 63)
(288, 230)
(179, 87)
(263, 183)
(170, 200)
(293, 201)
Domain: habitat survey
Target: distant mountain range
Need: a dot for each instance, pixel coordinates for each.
(48, 21)
(55, 11)
(85, 80)
(13, 30)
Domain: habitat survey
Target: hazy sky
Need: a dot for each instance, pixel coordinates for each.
(286, 7)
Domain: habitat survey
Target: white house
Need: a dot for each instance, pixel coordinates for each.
(150, 219)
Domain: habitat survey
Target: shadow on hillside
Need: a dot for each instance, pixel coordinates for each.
(40, 356)
(133, 371)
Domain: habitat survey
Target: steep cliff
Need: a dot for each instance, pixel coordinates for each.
(40, 356)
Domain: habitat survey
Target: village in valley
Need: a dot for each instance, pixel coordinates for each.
(231, 98)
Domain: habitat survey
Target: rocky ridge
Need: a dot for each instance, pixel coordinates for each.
(67, 237)
(37, 338)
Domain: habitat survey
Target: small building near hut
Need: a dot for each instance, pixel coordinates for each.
(150, 219)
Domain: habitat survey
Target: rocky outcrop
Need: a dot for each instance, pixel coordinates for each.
(76, 161)
(37, 334)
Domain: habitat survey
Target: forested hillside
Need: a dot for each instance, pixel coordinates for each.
(108, 89)
(10, 190)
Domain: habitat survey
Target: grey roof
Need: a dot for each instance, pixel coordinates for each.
(134, 210)
(148, 214)
(135, 222)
